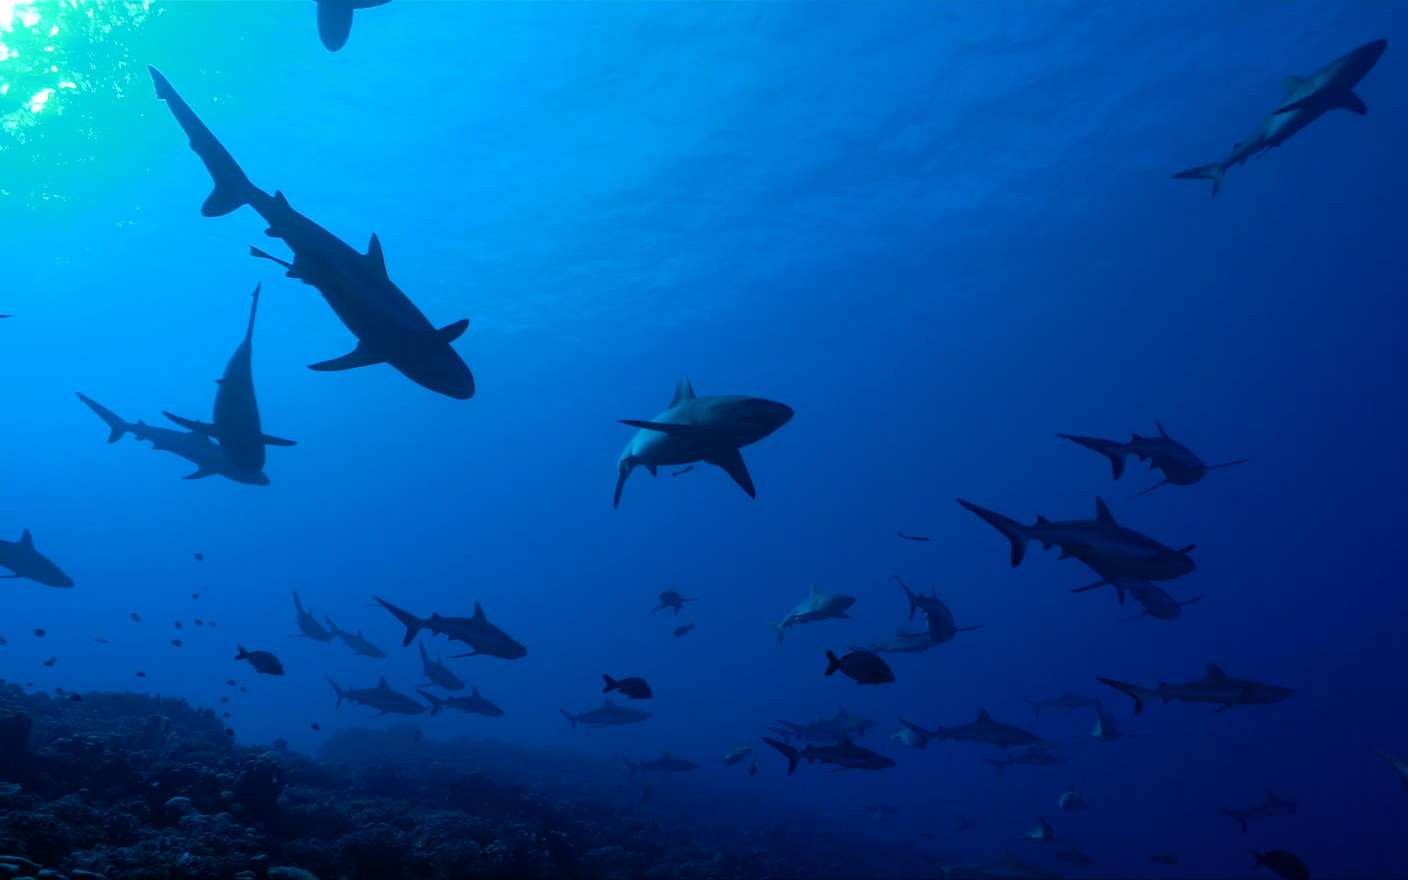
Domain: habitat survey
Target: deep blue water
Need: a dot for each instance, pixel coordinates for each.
(940, 232)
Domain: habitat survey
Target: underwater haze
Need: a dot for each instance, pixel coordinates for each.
(940, 233)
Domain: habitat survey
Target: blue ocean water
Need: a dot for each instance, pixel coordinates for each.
(940, 232)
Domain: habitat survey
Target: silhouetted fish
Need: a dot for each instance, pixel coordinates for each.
(262, 661)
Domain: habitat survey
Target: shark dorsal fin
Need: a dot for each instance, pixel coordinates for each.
(375, 258)
(683, 391)
(1293, 83)
(1102, 513)
(1215, 672)
(474, 692)
(1041, 520)
(813, 590)
(1162, 432)
(983, 715)
(280, 199)
(479, 613)
(27, 540)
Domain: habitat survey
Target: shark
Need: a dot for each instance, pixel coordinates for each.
(817, 606)
(1306, 100)
(356, 641)
(736, 755)
(1177, 462)
(1042, 833)
(941, 623)
(1036, 755)
(708, 429)
(1109, 549)
(1067, 700)
(666, 763)
(25, 562)
(388, 326)
(1271, 805)
(607, 715)
(382, 698)
(308, 626)
(843, 754)
(210, 460)
(911, 736)
(673, 600)
(984, 729)
(1155, 602)
(903, 643)
(484, 638)
(335, 20)
(1072, 800)
(1399, 765)
(474, 704)
(236, 426)
(1009, 867)
(1107, 727)
(438, 673)
(827, 730)
(1215, 687)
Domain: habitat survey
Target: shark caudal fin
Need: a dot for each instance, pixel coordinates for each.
(1133, 691)
(571, 719)
(232, 187)
(833, 662)
(611, 684)
(1111, 449)
(1212, 171)
(412, 623)
(792, 755)
(921, 736)
(116, 426)
(436, 704)
(341, 694)
(1014, 531)
(908, 594)
(780, 630)
(1241, 817)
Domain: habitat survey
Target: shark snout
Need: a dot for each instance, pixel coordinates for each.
(1363, 59)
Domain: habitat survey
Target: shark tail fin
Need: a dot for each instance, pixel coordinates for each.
(341, 694)
(1238, 816)
(833, 662)
(116, 426)
(436, 704)
(232, 188)
(571, 719)
(921, 735)
(412, 623)
(1133, 691)
(1010, 528)
(1111, 449)
(1212, 171)
(780, 630)
(611, 684)
(792, 755)
(908, 594)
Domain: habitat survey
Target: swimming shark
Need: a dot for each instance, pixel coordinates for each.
(1009, 867)
(673, 600)
(438, 673)
(1270, 806)
(1067, 700)
(1179, 465)
(1107, 727)
(483, 638)
(844, 754)
(985, 730)
(1042, 833)
(941, 624)
(335, 20)
(209, 459)
(25, 562)
(911, 735)
(1214, 687)
(356, 641)
(474, 704)
(608, 715)
(388, 326)
(1108, 548)
(827, 730)
(1036, 755)
(382, 698)
(1306, 100)
(308, 625)
(1155, 602)
(710, 429)
(666, 763)
(817, 606)
(236, 425)
(903, 643)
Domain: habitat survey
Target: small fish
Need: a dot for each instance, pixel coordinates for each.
(212, 624)
(682, 471)
(176, 623)
(141, 675)
(200, 557)
(176, 642)
(684, 630)
(229, 731)
(230, 682)
(224, 714)
(224, 699)
(910, 537)
(195, 595)
(634, 688)
(199, 622)
(316, 726)
(51, 661)
(99, 639)
(2, 641)
(262, 661)
(41, 633)
(243, 689)
(136, 617)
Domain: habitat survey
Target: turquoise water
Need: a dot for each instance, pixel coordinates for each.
(940, 232)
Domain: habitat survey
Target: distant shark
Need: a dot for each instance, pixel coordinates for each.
(817, 606)
(474, 704)
(359, 643)
(608, 715)
(335, 20)
(985, 730)
(1306, 100)
(25, 562)
(941, 623)
(843, 754)
(438, 673)
(1179, 465)
(382, 698)
(709, 429)
(1155, 602)
(1270, 806)
(236, 426)
(1035, 755)
(666, 763)
(308, 626)
(199, 449)
(1108, 548)
(388, 326)
(827, 730)
(1067, 700)
(484, 639)
(1215, 687)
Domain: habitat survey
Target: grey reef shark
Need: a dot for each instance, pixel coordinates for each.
(709, 429)
(388, 326)
(194, 446)
(335, 20)
(1306, 100)
(1179, 465)
(24, 562)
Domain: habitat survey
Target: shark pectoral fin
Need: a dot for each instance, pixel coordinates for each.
(264, 255)
(450, 332)
(199, 474)
(270, 440)
(361, 356)
(191, 424)
(732, 463)
(334, 23)
(1353, 103)
(662, 427)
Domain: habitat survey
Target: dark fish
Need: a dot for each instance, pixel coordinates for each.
(40, 633)
(243, 689)
(863, 667)
(262, 661)
(229, 731)
(176, 623)
(230, 682)
(315, 726)
(910, 537)
(684, 630)
(135, 616)
(195, 595)
(141, 675)
(199, 622)
(212, 624)
(753, 771)
(2, 641)
(635, 687)
(224, 699)
(200, 557)
(99, 639)
(224, 714)
(176, 642)
(51, 661)
(1282, 864)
